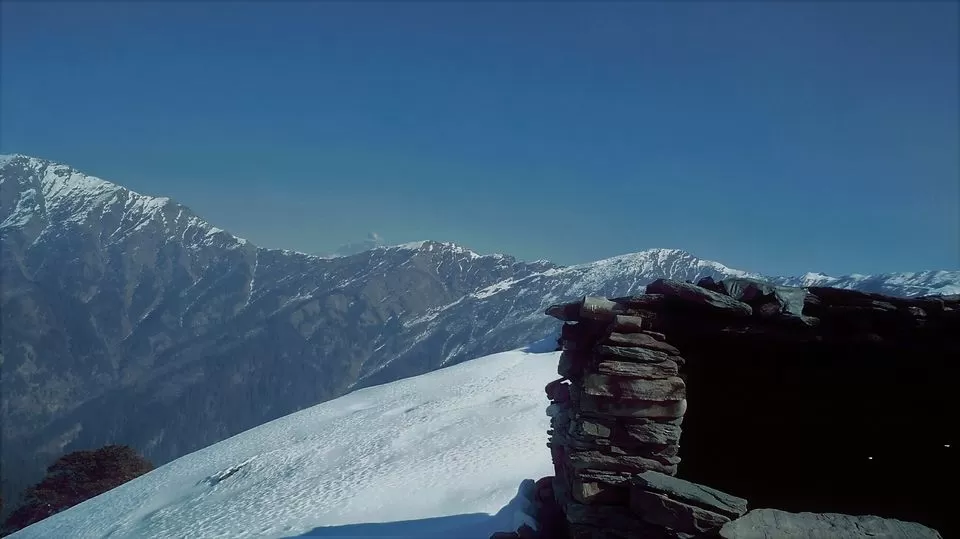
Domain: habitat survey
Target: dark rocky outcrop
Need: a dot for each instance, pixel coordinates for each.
(807, 400)
(615, 423)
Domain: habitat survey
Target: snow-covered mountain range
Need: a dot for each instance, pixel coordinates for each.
(128, 318)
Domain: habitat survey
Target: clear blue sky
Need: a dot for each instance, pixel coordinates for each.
(780, 137)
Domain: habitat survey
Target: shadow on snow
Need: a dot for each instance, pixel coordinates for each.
(466, 526)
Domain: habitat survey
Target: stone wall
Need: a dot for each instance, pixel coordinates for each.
(805, 400)
(616, 419)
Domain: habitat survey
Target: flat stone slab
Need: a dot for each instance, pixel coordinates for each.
(627, 324)
(692, 493)
(568, 312)
(775, 524)
(641, 340)
(693, 294)
(663, 389)
(641, 355)
(654, 433)
(593, 406)
(628, 369)
(595, 460)
(663, 511)
(599, 308)
(638, 431)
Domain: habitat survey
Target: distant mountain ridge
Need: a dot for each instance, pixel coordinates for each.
(372, 241)
(129, 319)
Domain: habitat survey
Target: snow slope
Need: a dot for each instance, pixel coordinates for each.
(447, 450)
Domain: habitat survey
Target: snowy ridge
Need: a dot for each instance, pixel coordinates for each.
(897, 284)
(373, 243)
(638, 269)
(57, 195)
(430, 245)
(448, 449)
(500, 314)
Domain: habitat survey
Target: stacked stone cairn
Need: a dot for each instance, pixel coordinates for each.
(616, 417)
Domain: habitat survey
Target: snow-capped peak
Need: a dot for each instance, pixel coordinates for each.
(659, 261)
(62, 182)
(56, 195)
(431, 245)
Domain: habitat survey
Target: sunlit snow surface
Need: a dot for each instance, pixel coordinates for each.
(457, 441)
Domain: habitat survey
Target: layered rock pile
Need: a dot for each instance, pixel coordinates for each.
(616, 417)
(617, 410)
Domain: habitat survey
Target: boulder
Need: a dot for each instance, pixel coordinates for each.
(557, 390)
(627, 324)
(691, 493)
(774, 523)
(602, 309)
(643, 302)
(710, 284)
(570, 364)
(568, 312)
(778, 299)
(607, 517)
(558, 409)
(543, 489)
(663, 389)
(694, 295)
(663, 511)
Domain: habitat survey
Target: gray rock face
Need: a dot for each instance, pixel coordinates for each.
(128, 319)
(692, 493)
(776, 524)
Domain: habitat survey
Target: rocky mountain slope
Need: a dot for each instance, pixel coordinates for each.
(129, 319)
